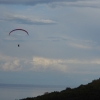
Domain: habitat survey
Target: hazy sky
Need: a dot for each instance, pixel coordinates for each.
(63, 46)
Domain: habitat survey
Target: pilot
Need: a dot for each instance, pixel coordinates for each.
(18, 45)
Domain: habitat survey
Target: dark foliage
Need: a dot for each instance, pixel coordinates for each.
(91, 91)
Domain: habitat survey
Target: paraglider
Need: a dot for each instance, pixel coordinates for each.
(17, 30)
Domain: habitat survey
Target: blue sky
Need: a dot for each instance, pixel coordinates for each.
(63, 46)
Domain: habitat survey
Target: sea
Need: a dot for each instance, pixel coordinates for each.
(20, 91)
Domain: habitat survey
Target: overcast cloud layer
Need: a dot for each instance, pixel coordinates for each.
(54, 3)
(33, 2)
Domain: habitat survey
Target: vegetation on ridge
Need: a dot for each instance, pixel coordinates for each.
(91, 91)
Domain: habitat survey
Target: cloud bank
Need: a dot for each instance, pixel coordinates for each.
(54, 3)
(31, 2)
(44, 64)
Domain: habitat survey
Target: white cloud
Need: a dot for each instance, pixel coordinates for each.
(28, 20)
(77, 45)
(61, 64)
(12, 66)
(9, 63)
(44, 64)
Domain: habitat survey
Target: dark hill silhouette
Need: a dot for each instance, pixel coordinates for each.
(90, 91)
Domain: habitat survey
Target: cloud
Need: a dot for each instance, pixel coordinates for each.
(54, 3)
(12, 66)
(78, 3)
(51, 64)
(75, 43)
(81, 46)
(8, 63)
(37, 64)
(28, 20)
(31, 2)
(63, 65)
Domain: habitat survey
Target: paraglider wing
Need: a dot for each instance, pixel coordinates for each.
(18, 29)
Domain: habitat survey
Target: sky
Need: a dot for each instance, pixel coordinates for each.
(63, 46)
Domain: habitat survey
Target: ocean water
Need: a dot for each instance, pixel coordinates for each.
(16, 92)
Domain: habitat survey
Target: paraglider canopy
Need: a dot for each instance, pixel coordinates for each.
(17, 30)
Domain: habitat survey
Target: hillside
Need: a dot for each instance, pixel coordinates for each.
(90, 91)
